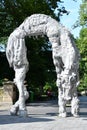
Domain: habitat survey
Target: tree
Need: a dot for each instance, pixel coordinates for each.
(13, 12)
(82, 45)
(83, 13)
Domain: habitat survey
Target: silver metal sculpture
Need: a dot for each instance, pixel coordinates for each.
(65, 57)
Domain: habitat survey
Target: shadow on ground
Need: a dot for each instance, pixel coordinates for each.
(48, 116)
(7, 119)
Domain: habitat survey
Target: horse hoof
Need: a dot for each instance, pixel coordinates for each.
(63, 115)
(76, 115)
(14, 111)
(23, 113)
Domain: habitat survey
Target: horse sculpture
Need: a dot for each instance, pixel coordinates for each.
(65, 58)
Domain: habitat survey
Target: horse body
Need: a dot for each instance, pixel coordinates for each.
(65, 57)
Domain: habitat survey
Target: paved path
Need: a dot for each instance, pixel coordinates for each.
(44, 116)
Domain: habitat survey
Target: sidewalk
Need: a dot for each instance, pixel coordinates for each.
(44, 116)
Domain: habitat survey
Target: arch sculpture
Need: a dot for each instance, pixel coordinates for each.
(65, 58)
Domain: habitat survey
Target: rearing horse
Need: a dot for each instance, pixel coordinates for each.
(65, 57)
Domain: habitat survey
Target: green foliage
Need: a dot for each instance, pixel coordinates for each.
(47, 87)
(13, 12)
(50, 86)
(83, 13)
(82, 45)
(40, 61)
(3, 40)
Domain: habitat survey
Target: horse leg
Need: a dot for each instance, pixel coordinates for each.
(61, 100)
(57, 60)
(62, 105)
(75, 103)
(15, 108)
(20, 77)
(23, 95)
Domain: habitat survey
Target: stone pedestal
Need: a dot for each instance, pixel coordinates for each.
(9, 92)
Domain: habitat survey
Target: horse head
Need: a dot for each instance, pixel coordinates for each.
(69, 81)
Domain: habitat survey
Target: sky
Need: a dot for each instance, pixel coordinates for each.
(69, 20)
(2, 48)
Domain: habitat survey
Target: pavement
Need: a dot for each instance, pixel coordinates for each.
(44, 116)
